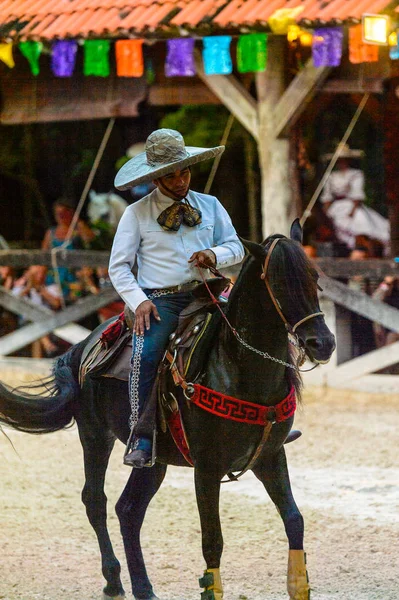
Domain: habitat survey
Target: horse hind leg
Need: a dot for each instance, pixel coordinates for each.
(96, 451)
(131, 508)
(275, 478)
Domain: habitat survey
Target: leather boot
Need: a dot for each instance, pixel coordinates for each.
(138, 455)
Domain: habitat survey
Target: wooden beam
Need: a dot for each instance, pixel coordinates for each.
(233, 95)
(72, 333)
(354, 86)
(365, 364)
(274, 154)
(295, 98)
(66, 258)
(24, 307)
(342, 268)
(361, 303)
(29, 333)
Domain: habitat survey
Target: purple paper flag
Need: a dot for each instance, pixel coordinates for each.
(327, 47)
(180, 58)
(63, 57)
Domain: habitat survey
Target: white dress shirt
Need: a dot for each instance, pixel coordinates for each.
(162, 256)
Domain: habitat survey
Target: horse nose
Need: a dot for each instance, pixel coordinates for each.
(320, 346)
(314, 344)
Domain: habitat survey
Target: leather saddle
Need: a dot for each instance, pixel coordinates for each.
(108, 353)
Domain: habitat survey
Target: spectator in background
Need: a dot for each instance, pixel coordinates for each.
(310, 251)
(388, 292)
(7, 276)
(33, 286)
(8, 320)
(343, 201)
(114, 308)
(64, 210)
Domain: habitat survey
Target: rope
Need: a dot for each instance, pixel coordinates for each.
(216, 162)
(79, 207)
(334, 159)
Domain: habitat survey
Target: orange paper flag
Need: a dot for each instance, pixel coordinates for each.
(129, 58)
(359, 52)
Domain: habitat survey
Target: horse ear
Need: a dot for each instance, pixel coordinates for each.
(257, 250)
(296, 232)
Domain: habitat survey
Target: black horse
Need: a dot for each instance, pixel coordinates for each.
(250, 362)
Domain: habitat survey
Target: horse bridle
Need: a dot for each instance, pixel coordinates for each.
(290, 328)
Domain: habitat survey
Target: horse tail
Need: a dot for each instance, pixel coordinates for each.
(52, 408)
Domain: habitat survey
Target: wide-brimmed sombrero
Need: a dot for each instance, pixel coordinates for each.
(345, 152)
(165, 152)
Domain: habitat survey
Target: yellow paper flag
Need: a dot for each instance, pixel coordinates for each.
(6, 55)
(280, 21)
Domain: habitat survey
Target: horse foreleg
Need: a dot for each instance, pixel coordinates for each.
(274, 476)
(97, 450)
(131, 508)
(207, 488)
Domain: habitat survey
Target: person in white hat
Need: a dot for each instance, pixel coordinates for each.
(170, 232)
(343, 201)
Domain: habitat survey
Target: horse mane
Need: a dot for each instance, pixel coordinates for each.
(288, 258)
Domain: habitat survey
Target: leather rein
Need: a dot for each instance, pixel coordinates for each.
(291, 329)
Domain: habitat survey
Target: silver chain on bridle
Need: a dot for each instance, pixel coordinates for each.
(266, 354)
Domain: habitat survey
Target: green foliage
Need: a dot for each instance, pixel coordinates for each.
(203, 126)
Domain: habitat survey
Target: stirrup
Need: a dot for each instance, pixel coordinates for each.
(129, 449)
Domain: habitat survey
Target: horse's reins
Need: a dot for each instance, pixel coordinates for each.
(290, 329)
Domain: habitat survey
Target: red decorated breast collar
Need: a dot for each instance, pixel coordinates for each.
(242, 411)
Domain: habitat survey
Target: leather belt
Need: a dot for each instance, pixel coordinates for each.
(182, 287)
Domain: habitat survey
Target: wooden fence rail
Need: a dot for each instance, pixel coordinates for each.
(51, 322)
(65, 258)
(340, 268)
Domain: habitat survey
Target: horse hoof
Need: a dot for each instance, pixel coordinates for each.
(118, 597)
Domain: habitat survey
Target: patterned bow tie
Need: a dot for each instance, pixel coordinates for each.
(179, 212)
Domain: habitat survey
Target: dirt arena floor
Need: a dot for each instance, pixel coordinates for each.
(345, 477)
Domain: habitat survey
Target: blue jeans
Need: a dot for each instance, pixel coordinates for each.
(148, 349)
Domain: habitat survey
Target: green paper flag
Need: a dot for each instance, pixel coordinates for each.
(252, 53)
(32, 52)
(96, 58)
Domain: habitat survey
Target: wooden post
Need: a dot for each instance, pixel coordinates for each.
(391, 148)
(276, 195)
(251, 180)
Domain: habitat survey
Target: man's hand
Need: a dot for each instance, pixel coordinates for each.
(204, 258)
(143, 316)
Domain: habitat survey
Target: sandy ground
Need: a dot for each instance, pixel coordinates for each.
(345, 477)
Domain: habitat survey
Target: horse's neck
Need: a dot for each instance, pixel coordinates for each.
(238, 370)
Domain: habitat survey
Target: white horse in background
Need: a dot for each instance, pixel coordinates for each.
(108, 207)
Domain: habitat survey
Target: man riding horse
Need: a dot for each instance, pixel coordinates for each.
(171, 232)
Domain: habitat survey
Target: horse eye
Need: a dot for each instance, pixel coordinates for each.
(319, 287)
